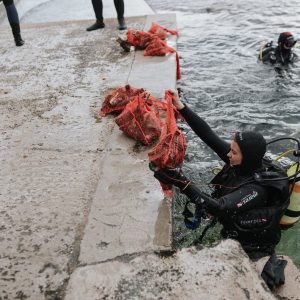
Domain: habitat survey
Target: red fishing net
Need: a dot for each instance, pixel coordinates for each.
(139, 39)
(161, 31)
(170, 149)
(116, 101)
(152, 41)
(158, 47)
(140, 121)
(152, 101)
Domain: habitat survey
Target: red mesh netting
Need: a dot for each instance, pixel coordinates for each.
(117, 101)
(153, 42)
(152, 101)
(139, 39)
(161, 31)
(171, 147)
(139, 121)
(157, 47)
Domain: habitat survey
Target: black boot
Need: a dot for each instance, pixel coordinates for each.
(15, 27)
(97, 25)
(122, 24)
(18, 40)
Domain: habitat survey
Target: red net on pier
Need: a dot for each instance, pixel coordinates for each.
(158, 47)
(153, 42)
(116, 101)
(170, 149)
(139, 39)
(161, 31)
(140, 121)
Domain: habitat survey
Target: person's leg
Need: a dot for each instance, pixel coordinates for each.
(98, 9)
(14, 22)
(119, 4)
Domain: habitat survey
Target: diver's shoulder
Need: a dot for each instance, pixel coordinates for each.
(269, 46)
(268, 52)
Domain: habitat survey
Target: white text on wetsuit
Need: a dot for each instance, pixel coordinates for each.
(247, 198)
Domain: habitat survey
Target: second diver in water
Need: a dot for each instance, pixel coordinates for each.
(280, 54)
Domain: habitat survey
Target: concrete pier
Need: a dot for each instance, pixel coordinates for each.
(74, 190)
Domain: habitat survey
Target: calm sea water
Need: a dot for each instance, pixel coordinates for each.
(225, 84)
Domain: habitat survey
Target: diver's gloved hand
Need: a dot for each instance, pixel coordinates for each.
(177, 178)
(273, 272)
(170, 176)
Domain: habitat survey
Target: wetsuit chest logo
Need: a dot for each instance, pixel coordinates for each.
(247, 198)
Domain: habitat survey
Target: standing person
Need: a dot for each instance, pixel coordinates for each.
(250, 193)
(282, 53)
(98, 9)
(14, 22)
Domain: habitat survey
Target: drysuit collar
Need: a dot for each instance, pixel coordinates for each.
(253, 148)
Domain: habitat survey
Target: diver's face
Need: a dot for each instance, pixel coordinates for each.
(288, 45)
(235, 155)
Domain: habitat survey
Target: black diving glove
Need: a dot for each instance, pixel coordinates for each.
(177, 178)
(198, 197)
(170, 176)
(273, 272)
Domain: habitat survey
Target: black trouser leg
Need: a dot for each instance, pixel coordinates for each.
(14, 22)
(98, 9)
(11, 12)
(119, 4)
(8, 2)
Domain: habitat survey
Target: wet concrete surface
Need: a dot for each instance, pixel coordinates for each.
(216, 273)
(41, 11)
(74, 189)
(52, 145)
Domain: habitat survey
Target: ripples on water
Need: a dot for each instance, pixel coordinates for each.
(224, 82)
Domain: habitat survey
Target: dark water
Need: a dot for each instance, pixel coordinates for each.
(226, 85)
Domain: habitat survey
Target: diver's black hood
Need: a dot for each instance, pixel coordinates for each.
(253, 147)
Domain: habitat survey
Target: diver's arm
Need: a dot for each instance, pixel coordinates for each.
(205, 133)
(242, 198)
(203, 130)
(245, 198)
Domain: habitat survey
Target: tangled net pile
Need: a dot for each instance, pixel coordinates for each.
(152, 42)
(140, 117)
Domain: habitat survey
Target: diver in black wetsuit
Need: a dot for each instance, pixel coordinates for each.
(282, 54)
(251, 193)
(98, 9)
(14, 22)
(248, 200)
